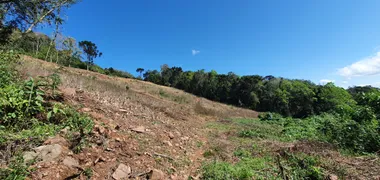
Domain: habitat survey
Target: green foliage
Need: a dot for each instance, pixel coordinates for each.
(17, 170)
(359, 137)
(270, 116)
(7, 71)
(294, 166)
(91, 50)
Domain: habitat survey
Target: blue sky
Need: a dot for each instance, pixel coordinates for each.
(320, 40)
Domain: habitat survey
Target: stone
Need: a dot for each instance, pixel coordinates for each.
(140, 129)
(45, 153)
(86, 109)
(171, 135)
(168, 143)
(333, 177)
(156, 174)
(122, 172)
(57, 140)
(70, 162)
(185, 138)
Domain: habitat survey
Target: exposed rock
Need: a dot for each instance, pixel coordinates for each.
(122, 172)
(156, 174)
(123, 110)
(333, 177)
(70, 162)
(140, 129)
(57, 140)
(64, 131)
(100, 129)
(185, 138)
(45, 153)
(171, 135)
(168, 143)
(86, 109)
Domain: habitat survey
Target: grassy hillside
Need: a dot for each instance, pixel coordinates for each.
(178, 135)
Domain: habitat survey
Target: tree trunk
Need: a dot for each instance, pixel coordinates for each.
(39, 20)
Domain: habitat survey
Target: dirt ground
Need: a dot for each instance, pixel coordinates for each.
(150, 127)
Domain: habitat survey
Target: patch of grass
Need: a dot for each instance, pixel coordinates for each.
(291, 166)
(163, 94)
(198, 108)
(17, 169)
(199, 144)
(88, 172)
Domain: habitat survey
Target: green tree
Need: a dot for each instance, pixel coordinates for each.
(91, 50)
(71, 50)
(140, 70)
(331, 98)
(29, 14)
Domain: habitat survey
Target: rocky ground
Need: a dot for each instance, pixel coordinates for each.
(146, 131)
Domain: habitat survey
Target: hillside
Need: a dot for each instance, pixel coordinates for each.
(160, 112)
(147, 127)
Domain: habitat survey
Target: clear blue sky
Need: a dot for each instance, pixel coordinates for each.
(316, 40)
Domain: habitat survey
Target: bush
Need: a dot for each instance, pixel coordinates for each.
(270, 116)
(360, 137)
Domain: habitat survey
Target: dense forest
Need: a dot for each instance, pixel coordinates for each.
(295, 98)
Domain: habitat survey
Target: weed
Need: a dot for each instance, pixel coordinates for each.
(202, 110)
(16, 170)
(88, 173)
(163, 93)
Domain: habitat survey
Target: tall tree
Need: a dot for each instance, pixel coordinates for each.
(140, 70)
(71, 49)
(91, 50)
(29, 14)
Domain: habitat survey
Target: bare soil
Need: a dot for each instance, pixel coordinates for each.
(147, 126)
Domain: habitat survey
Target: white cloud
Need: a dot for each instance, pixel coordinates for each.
(365, 67)
(195, 52)
(345, 82)
(325, 81)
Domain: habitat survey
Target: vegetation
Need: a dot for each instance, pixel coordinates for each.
(29, 113)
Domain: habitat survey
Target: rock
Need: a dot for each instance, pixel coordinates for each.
(140, 129)
(45, 153)
(123, 110)
(185, 138)
(57, 140)
(100, 129)
(64, 131)
(168, 143)
(156, 174)
(122, 172)
(71, 162)
(333, 177)
(86, 109)
(171, 135)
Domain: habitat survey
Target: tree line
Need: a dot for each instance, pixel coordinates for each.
(19, 18)
(289, 97)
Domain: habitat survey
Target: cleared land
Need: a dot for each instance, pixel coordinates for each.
(146, 126)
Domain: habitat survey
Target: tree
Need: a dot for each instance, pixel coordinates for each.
(140, 70)
(91, 50)
(27, 15)
(71, 49)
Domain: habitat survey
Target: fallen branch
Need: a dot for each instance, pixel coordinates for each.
(164, 156)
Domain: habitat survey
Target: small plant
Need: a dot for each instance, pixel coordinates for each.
(16, 170)
(127, 87)
(55, 82)
(88, 173)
